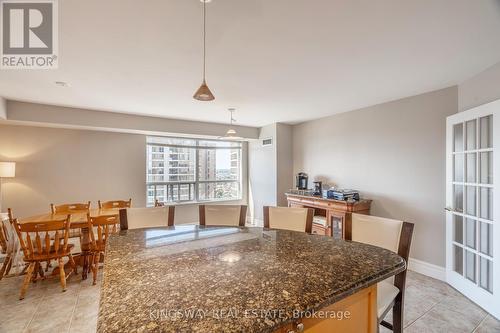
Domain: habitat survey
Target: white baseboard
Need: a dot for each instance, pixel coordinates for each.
(425, 268)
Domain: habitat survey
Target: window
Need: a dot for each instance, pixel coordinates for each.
(183, 170)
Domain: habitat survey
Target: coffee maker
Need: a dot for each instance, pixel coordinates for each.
(301, 181)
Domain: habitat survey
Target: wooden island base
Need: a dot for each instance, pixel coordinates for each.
(359, 313)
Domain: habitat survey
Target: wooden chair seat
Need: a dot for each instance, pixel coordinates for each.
(51, 254)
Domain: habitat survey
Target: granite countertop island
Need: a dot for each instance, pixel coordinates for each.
(223, 279)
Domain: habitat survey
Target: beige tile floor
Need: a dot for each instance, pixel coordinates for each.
(431, 306)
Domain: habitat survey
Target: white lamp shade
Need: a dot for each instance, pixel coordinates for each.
(7, 169)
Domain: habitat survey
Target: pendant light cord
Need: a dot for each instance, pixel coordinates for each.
(204, 36)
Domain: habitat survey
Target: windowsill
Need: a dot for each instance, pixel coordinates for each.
(208, 202)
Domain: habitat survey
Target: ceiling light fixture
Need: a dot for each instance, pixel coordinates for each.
(203, 93)
(231, 132)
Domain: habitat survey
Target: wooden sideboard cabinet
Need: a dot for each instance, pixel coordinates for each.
(334, 211)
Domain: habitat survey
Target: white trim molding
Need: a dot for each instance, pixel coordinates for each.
(428, 269)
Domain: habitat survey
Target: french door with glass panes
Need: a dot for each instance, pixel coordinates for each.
(472, 200)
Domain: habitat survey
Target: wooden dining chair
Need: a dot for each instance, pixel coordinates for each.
(115, 204)
(69, 208)
(38, 246)
(3, 238)
(100, 228)
(135, 218)
(393, 235)
(10, 246)
(223, 215)
(288, 218)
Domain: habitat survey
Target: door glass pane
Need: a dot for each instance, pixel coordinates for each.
(458, 257)
(486, 203)
(470, 134)
(471, 168)
(486, 274)
(458, 198)
(486, 238)
(458, 229)
(470, 197)
(470, 266)
(458, 174)
(470, 233)
(486, 168)
(458, 137)
(337, 224)
(486, 132)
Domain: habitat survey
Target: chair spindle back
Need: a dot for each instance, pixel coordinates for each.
(103, 226)
(36, 239)
(69, 208)
(115, 204)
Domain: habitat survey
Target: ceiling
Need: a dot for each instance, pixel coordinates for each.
(274, 60)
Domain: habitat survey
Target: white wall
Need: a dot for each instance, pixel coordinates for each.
(480, 89)
(262, 173)
(270, 169)
(394, 153)
(58, 116)
(284, 162)
(63, 165)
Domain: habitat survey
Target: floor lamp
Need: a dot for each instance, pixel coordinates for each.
(7, 170)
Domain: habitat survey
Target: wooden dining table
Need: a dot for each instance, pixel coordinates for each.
(78, 220)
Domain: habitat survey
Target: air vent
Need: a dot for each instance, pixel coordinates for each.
(267, 142)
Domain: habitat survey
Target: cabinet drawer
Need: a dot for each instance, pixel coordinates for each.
(318, 229)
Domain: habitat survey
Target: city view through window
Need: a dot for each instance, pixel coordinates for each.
(183, 170)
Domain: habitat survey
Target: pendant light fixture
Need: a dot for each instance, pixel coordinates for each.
(203, 93)
(231, 132)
